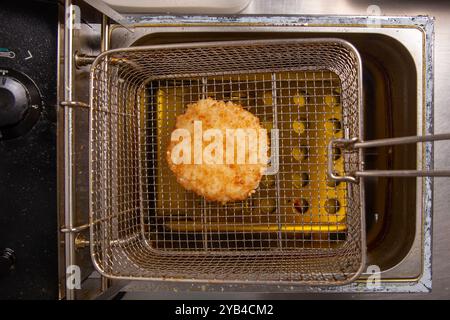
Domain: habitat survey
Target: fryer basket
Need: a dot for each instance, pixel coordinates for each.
(299, 227)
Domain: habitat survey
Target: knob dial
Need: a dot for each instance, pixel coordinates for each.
(20, 104)
(14, 101)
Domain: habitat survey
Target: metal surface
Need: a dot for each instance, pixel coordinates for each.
(146, 227)
(109, 12)
(354, 144)
(77, 130)
(69, 217)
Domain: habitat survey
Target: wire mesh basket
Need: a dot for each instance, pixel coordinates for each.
(298, 227)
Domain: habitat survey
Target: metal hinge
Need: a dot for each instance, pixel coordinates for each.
(75, 229)
(73, 104)
(82, 59)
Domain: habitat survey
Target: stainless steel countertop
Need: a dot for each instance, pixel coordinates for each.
(441, 224)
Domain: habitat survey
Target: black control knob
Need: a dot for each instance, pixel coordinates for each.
(7, 260)
(20, 104)
(14, 101)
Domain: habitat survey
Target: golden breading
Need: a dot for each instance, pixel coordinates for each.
(223, 182)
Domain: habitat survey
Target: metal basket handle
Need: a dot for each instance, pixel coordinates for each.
(354, 143)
